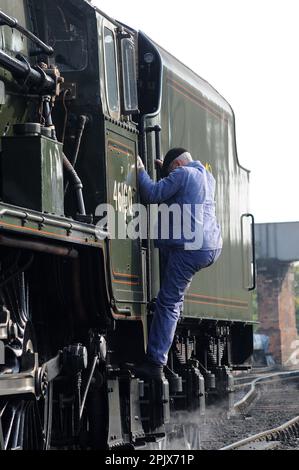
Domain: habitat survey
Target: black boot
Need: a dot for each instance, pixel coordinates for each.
(148, 370)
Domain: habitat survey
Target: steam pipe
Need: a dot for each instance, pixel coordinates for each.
(77, 184)
(73, 175)
(12, 242)
(82, 123)
(13, 23)
(16, 67)
(22, 70)
(83, 120)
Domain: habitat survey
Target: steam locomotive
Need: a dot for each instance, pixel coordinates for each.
(81, 95)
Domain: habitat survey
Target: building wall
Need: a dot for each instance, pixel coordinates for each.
(276, 307)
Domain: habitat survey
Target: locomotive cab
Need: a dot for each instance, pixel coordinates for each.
(81, 96)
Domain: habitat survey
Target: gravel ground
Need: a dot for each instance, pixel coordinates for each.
(292, 445)
(276, 405)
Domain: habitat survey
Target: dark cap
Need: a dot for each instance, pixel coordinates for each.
(169, 158)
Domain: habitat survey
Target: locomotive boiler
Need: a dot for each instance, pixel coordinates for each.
(81, 96)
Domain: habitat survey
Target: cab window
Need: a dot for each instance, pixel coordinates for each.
(129, 76)
(66, 32)
(111, 71)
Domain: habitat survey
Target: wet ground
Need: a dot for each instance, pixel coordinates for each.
(276, 404)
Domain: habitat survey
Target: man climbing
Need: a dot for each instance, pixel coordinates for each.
(189, 186)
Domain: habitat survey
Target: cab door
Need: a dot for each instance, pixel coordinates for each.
(126, 260)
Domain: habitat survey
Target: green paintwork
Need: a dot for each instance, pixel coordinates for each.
(15, 107)
(32, 171)
(126, 257)
(193, 115)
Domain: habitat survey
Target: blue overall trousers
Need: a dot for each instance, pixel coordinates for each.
(178, 269)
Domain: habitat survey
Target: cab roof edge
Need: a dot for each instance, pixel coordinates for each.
(101, 12)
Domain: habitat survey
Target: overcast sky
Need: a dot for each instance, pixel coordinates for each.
(249, 51)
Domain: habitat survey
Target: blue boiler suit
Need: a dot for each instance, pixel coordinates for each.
(190, 186)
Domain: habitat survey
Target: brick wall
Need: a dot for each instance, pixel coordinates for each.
(276, 307)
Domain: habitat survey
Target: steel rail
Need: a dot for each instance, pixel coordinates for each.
(242, 404)
(280, 433)
(246, 379)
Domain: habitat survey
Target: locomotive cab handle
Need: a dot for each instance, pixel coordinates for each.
(157, 130)
(252, 287)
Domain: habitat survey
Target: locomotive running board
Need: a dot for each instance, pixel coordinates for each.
(33, 381)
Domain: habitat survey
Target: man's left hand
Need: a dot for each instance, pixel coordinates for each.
(140, 164)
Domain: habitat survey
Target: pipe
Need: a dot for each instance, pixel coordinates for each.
(77, 184)
(83, 120)
(13, 23)
(22, 70)
(65, 224)
(73, 175)
(12, 242)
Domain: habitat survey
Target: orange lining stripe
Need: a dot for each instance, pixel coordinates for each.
(128, 283)
(195, 98)
(218, 298)
(28, 229)
(122, 145)
(217, 305)
(125, 275)
(113, 149)
(125, 317)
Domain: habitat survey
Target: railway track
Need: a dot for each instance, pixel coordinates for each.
(269, 402)
(257, 409)
(285, 433)
(242, 405)
(253, 374)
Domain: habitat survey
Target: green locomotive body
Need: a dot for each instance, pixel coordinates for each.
(81, 95)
